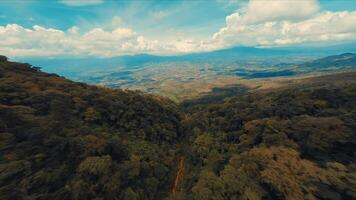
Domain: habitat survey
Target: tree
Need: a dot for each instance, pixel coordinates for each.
(96, 165)
(91, 115)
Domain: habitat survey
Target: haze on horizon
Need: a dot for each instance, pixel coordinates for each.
(103, 28)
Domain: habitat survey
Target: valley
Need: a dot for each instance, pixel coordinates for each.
(181, 77)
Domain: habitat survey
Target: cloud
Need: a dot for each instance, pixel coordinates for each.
(78, 3)
(285, 22)
(258, 11)
(40, 41)
(257, 23)
(73, 30)
(18, 41)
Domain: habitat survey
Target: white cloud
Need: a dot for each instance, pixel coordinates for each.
(40, 41)
(285, 22)
(258, 23)
(258, 11)
(78, 3)
(17, 41)
(73, 30)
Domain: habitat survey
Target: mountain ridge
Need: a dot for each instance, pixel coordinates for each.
(69, 66)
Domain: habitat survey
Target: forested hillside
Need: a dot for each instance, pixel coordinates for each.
(65, 140)
(295, 143)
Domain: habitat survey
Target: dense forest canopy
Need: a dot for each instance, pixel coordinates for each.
(65, 140)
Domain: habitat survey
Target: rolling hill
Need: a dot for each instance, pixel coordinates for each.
(343, 61)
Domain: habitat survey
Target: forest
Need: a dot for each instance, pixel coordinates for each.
(61, 139)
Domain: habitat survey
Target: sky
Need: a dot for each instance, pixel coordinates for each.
(107, 28)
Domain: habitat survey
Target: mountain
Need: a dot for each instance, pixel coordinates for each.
(329, 64)
(346, 60)
(74, 67)
(61, 139)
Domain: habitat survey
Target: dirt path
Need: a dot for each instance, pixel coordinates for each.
(180, 174)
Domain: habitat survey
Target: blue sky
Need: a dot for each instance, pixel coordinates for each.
(113, 28)
(149, 17)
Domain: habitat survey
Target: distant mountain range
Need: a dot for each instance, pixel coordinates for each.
(72, 67)
(343, 60)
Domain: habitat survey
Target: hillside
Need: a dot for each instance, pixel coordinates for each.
(296, 142)
(61, 139)
(66, 140)
(342, 60)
